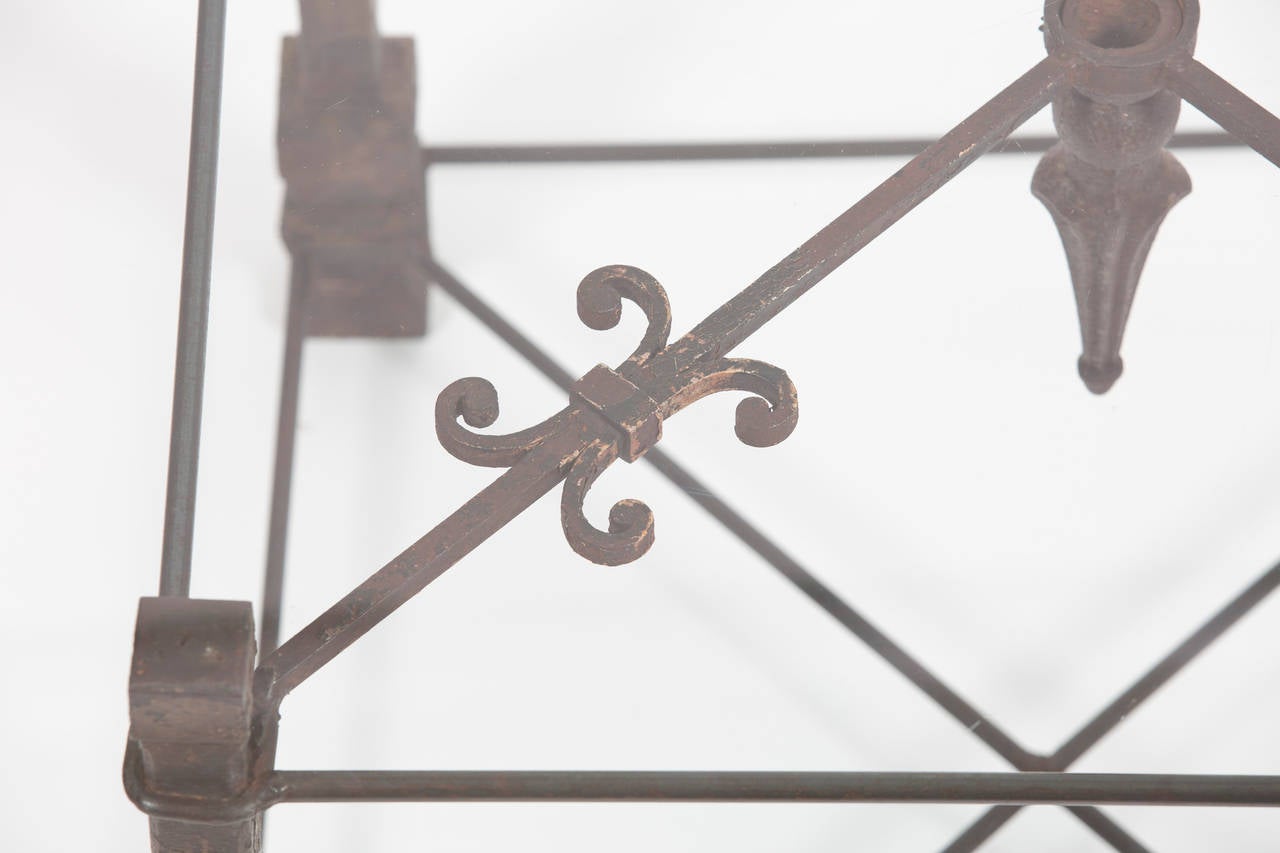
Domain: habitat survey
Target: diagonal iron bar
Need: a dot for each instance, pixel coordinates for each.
(1236, 112)
(815, 590)
(1115, 712)
(854, 229)
(418, 565)
(437, 786)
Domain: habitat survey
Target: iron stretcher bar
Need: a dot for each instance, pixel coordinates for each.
(996, 817)
(660, 152)
(1133, 789)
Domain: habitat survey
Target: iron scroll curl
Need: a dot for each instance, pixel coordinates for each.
(623, 409)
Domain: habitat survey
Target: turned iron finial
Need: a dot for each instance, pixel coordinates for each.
(1110, 182)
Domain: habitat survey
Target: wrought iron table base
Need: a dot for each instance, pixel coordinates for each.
(201, 754)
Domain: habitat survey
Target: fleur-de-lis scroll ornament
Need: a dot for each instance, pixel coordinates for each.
(625, 406)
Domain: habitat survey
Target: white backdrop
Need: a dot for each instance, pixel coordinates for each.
(1034, 545)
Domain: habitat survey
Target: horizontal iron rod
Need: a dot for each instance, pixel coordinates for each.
(193, 302)
(302, 786)
(439, 155)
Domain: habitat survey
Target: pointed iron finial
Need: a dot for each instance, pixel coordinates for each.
(1109, 183)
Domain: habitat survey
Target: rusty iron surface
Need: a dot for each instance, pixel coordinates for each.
(1110, 182)
(190, 715)
(355, 202)
(201, 754)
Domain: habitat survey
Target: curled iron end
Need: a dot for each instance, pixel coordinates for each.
(762, 420)
(630, 532)
(600, 297)
(475, 400)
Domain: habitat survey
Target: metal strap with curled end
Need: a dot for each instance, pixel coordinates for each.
(623, 409)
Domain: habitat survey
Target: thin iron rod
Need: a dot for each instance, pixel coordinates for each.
(1235, 111)
(1114, 713)
(282, 478)
(315, 786)
(193, 310)
(881, 644)
(1160, 674)
(1108, 830)
(991, 820)
(496, 323)
(438, 155)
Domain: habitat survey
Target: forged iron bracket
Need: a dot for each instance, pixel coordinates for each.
(1110, 182)
(190, 712)
(355, 200)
